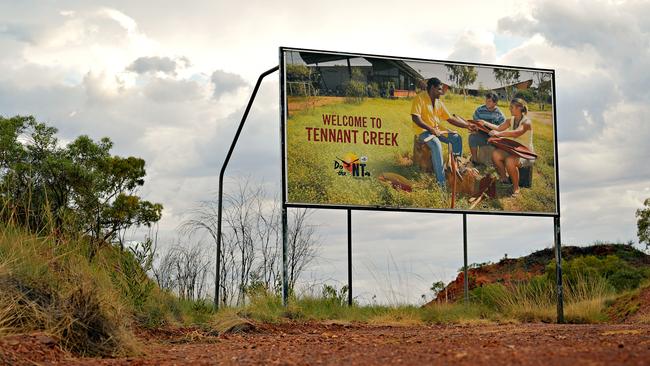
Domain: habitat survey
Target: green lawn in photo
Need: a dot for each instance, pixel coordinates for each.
(312, 178)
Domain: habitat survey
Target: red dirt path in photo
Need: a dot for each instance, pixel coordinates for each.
(298, 104)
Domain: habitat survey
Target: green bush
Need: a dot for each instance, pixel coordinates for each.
(355, 91)
(297, 72)
(330, 294)
(617, 272)
(527, 95)
(626, 279)
(131, 277)
(373, 90)
(489, 295)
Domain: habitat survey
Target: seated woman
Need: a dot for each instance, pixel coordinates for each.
(519, 128)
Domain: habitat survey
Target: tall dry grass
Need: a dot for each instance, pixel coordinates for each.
(51, 286)
(585, 299)
(88, 296)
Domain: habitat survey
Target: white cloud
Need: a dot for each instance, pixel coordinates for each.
(101, 40)
(475, 46)
(174, 91)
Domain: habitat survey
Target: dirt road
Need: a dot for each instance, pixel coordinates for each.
(336, 344)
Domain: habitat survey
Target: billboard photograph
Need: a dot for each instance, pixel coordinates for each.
(400, 133)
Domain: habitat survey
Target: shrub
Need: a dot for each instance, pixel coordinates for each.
(626, 279)
(131, 276)
(355, 91)
(617, 272)
(330, 294)
(373, 90)
(527, 95)
(297, 72)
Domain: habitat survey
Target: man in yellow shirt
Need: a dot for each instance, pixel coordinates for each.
(427, 112)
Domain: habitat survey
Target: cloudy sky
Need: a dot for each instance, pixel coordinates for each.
(168, 81)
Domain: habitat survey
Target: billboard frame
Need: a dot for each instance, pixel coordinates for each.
(285, 204)
(283, 131)
(555, 215)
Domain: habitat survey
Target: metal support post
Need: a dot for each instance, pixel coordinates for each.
(285, 272)
(558, 270)
(465, 278)
(217, 281)
(349, 257)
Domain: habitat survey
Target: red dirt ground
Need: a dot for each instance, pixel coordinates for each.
(337, 344)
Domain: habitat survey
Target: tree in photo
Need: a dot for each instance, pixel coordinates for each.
(506, 78)
(462, 76)
(299, 80)
(543, 92)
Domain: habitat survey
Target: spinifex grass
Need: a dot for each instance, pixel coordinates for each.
(51, 285)
(586, 301)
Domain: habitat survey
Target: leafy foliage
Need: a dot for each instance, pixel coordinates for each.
(617, 272)
(297, 72)
(506, 78)
(528, 95)
(436, 287)
(78, 188)
(130, 276)
(643, 223)
(462, 76)
(355, 91)
(543, 90)
(330, 294)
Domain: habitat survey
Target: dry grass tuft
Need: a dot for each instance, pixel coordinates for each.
(51, 287)
(230, 322)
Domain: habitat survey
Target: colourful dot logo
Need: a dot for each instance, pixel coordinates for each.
(351, 164)
(349, 160)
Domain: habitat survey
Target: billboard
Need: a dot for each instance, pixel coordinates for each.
(378, 132)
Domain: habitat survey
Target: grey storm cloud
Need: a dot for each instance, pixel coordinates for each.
(152, 64)
(226, 82)
(618, 33)
(602, 136)
(583, 101)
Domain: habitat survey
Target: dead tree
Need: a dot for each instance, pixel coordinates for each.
(184, 270)
(302, 246)
(251, 240)
(240, 220)
(268, 245)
